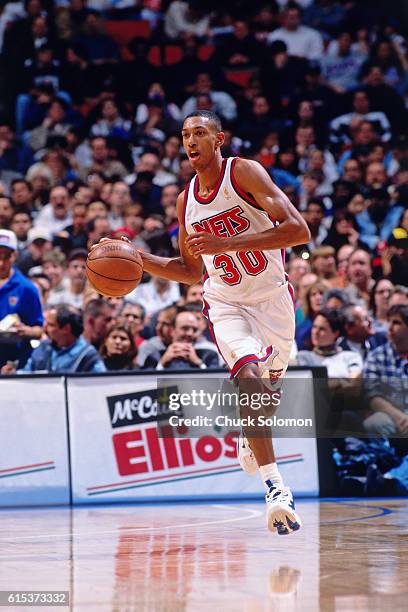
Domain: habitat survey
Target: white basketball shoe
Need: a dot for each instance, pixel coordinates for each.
(281, 516)
(246, 457)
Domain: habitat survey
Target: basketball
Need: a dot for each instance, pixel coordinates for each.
(114, 268)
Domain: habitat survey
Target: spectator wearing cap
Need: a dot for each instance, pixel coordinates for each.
(18, 296)
(385, 375)
(74, 291)
(64, 349)
(54, 266)
(301, 40)
(56, 215)
(39, 242)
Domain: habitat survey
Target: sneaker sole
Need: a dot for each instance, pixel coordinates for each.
(283, 521)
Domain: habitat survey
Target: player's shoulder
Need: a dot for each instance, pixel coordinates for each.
(248, 170)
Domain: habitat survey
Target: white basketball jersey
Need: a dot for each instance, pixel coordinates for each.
(243, 277)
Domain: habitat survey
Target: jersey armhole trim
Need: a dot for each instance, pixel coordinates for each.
(185, 199)
(244, 196)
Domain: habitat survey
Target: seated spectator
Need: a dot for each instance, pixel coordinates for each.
(102, 161)
(301, 40)
(323, 162)
(343, 231)
(385, 372)
(341, 69)
(399, 295)
(19, 297)
(314, 216)
(54, 265)
(359, 333)
(134, 316)
(98, 319)
(15, 157)
(110, 122)
(22, 196)
(386, 55)
(359, 275)
(323, 263)
(383, 97)
(343, 126)
(240, 49)
(64, 350)
(6, 212)
(379, 304)
(223, 104)
(100, 49)
(326, 330)
(335, 299)
(56, 215)
(343, 256)
(21, 223)
(74, 291)
(118, 200)
(186, 17)
(182, 353)
(75, 236)
(54, 124)
(39, 242)
(164, 333)
(312, 303)
(155, 295)
(118, 348)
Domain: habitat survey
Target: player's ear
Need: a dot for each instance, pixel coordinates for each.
(220, 138)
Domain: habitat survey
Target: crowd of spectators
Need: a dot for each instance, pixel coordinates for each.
(92, 100)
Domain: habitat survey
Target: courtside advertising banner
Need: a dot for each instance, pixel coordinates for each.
(117, 453)
(33, 442)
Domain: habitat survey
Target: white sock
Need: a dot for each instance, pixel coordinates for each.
(271, 476)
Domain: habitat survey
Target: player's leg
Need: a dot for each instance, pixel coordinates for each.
(281, 514)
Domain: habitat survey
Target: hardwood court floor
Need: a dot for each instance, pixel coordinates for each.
(350, 556)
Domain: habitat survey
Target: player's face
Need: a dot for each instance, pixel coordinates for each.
(201, 141)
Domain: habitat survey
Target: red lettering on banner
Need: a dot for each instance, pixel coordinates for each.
(208, 448)
(129, 446)
(153, 443)
(145, 444)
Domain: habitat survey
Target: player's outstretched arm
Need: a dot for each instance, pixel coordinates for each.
(253, 180)
(184, 269)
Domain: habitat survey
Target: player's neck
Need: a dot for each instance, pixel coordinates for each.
(208, 178)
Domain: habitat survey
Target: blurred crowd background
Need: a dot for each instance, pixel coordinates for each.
(92, 99)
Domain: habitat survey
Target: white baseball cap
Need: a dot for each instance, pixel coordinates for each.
(8, 239)
(38, 233)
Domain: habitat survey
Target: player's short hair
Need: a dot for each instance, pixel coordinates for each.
(212, 118)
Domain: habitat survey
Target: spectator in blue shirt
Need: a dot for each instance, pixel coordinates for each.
(386, 378)
(18, 296)
(65, 349)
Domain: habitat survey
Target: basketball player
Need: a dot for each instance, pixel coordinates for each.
(236, 221)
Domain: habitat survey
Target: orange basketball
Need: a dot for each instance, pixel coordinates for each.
(114, 268)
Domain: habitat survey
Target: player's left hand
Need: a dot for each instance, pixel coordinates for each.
(202, 243)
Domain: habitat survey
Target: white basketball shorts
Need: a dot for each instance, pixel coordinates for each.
(262, 333)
